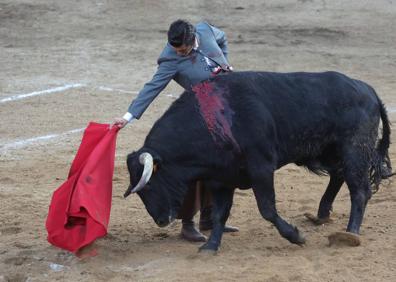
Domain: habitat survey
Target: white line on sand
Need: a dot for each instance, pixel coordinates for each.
(391, 110)
(105, 88)
(172, 96)
(42, 92)
(26, 142)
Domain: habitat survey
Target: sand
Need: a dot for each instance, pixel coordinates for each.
(111, 47)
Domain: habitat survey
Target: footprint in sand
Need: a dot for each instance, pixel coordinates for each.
(20, 245)
(307, 201)
(15, 260)
(7, 180)
(16, 277)
(10, 230)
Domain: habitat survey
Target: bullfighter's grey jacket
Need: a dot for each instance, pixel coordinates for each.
(202, 63)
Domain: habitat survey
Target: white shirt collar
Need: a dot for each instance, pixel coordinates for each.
(196, 43)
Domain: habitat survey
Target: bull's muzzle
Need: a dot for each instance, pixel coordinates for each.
(165, 222)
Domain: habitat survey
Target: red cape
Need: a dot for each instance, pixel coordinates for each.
(80, 208)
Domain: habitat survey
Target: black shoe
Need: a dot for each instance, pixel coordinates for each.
(190, 233)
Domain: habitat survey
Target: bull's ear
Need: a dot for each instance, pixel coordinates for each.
(157, 160)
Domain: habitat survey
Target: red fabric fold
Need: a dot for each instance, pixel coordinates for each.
(80, 208)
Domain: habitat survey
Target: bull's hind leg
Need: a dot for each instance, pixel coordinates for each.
(263, 187)
(360, 192)
(222, 203)
(326, 203)
(356, 176)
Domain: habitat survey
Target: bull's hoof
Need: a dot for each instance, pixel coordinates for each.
(300, 239)
(316, 220)
(207, 252)
(297, 238)
(344, 239)
(209, 248)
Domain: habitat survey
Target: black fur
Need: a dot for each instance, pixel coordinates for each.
(326, 122)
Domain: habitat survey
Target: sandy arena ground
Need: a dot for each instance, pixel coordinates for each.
(110, 48)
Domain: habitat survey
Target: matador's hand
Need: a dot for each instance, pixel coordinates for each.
(120, 122)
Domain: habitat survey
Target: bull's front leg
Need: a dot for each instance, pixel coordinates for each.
(222, 202)
(263, 188)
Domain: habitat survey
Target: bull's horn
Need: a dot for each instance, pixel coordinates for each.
(147, 160)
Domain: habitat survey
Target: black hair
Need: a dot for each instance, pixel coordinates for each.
(181, 32)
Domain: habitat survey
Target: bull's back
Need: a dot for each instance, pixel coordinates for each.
(299, 92)
(300, 110)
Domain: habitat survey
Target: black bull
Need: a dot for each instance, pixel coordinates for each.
(237, 129)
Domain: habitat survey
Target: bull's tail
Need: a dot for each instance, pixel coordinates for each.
(381, 167)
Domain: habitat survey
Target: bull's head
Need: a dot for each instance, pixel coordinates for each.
(145, 181)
